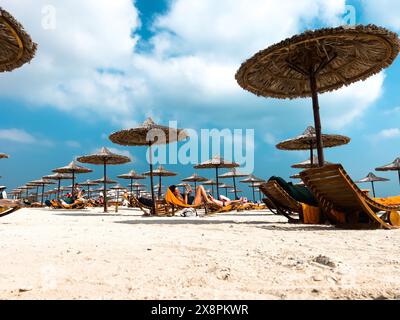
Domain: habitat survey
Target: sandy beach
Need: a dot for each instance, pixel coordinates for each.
(47, 254)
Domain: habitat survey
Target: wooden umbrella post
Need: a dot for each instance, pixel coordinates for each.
(317, 119)
(216, 172)
(159, 187)
(105, 187)
(234, 187)
(73, 183)
(254, 193)
(398, 171)
(373, 189)
(152, 182)
(312, 154)
(42, 195)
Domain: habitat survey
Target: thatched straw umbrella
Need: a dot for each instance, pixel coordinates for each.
(58, 177)
(42, 183)
(233, 174)
(160, 172)
(4, 156)
(117, 188)
(319, 61)
(309, 164)
(195, 178)
(149, 134)
(73, 169)
(211, 183)
(394, 166)
(296, 176)
(26, 188)
(226, 187)
(88, 184)
(252, 179)
(217, 163)
(104, 157)
(136, 188)
(131, 175)
(372, 179)
(16, 46)
(308, 141)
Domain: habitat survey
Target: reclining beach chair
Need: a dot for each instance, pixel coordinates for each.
(335, 190)
(4, 211)
(281, 203)
(178, 205)
(162, 208)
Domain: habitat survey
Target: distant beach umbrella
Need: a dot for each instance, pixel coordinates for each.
(104, 157)
(211, 183)
(309, 164)
(217, 163)
(42, 183)
(149, 134)
(308, 141)
(16, 46)
(160, 172)
(117, 188)
(73, 168)
(26, 188)
(233, 174)
(226, 187)
(88, 184)
(58, 177)
(4, 156)
(317, 62)
(136, 187)
(253, 180)
(131, 175)
(394, 166)
(195, 178)
(372, 179)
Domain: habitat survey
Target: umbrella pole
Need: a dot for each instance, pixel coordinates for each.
(234, 186)
(116, 202)
(152, 182)
(317, 118)
(259, 193)
(195, 185)
(159, 188)
(226, 192)
(312, 154)
(37, 193)
(254, 193)
(373, 189)
(73, 183)
(131, 187)
(105, 186)
(398, 171)
(212, 190)
(216, 172)
(58, 189)
(42, 195)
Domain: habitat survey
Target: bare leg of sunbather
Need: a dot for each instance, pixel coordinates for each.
(201, 197)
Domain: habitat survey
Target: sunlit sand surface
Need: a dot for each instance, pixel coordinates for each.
(48, 254)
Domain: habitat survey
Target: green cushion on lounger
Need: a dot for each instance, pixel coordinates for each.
(299, 193)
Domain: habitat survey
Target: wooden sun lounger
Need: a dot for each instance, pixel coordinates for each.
(6, 211)
(281, 203)
(335, 190)
(162, 208)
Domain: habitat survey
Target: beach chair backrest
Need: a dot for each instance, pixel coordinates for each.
(279, 196)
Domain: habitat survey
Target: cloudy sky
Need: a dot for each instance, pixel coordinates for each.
(103, 65)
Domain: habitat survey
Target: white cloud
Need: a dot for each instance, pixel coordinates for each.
(389, 133)
(198, 46)
(21, 136)
(73, 144)
(270, 139)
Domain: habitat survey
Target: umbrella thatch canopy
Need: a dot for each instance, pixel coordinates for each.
(309, 164)
(217, 163)
(308, 141)
(16, 46)
(4, 156)
(319, 61)
(233, 174)
(372, 179)
(42, 183)
(105, 180)
(160, 172)
(58, 177)
(195, 178)
(132, 175)
(394, 166)
(104, 157)
(296, 176)
(73, 169)
(26, 188)
(149, 134)
(253, 180)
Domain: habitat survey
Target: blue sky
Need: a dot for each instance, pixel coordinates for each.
(111, 64)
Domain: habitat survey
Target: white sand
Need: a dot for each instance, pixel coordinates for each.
(47, 254)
